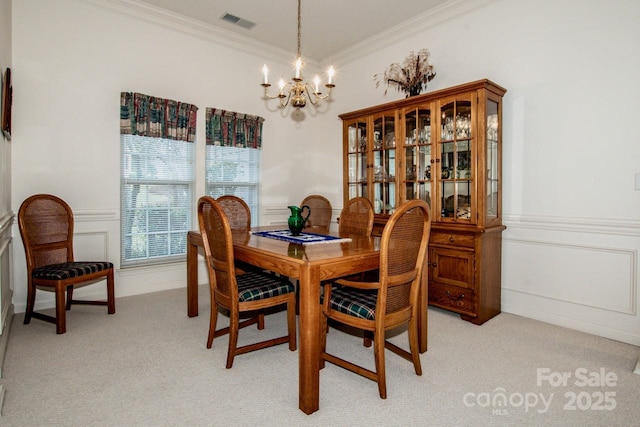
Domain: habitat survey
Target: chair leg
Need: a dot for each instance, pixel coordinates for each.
(367, 339)
(31, 300)
(261, 321)
(291, 323)
(61, 316)
(413, 345)
(69, 297)
(233, 339)
(111, 294)
(378, 344)
(213, 320)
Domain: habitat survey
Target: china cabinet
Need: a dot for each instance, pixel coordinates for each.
(444, 147)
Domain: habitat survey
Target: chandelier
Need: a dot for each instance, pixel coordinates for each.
(298, 91)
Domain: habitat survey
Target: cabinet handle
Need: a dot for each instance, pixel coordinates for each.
(451, 239)
(458, 298)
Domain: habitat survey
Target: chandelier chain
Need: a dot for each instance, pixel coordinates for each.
(298, 91)
(299, 28)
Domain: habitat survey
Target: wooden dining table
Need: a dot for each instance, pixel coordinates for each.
(310, 264)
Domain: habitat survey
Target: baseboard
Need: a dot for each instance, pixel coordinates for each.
(4, 341)
(1, 398)
(4, 338)
(572, 323)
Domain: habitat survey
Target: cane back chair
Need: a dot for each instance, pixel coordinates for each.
(356, 217)
(46, 226)
(389, 302)
(248, 292)
(319, 220)
(237, 211)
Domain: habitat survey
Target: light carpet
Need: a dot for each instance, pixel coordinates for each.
(148, 365)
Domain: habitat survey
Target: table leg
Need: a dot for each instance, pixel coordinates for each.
(309, 349)
(192, 276)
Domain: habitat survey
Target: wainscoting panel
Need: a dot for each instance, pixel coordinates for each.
(578, 273)
(92, 245)
(573, 273)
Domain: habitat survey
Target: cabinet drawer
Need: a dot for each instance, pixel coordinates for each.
(453, 239)
(452, 297)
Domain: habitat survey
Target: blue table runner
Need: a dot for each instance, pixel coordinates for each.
(302, 239)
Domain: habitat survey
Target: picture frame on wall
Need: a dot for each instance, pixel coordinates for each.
(7, 98)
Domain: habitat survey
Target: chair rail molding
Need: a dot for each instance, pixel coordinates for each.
(86, 215)
(627, 227)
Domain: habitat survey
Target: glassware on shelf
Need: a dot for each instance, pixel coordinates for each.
(447, 128)
(390, 140)
(377, 206)
(463, 126)
(425, 135)
(492, 127)
(411, 173)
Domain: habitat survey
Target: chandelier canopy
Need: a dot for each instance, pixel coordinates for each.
(298, 91)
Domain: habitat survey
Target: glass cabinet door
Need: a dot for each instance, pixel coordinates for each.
(384, 163)
(493, 160)
(417, 151)
(357, 159)
(456, 172)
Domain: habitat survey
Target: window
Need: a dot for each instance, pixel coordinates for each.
(233, 156)
(157, 179)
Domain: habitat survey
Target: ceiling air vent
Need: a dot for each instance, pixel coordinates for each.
(238, 21)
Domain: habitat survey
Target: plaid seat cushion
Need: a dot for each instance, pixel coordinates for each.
(67, 270)
(354, 302)
(253, 286)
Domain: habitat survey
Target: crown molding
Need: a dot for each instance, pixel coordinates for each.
(193, 27)
(417, 24)
(392, 35)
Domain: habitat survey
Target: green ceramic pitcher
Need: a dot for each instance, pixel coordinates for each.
(296, 220)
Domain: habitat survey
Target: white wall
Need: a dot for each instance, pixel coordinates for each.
(6, 215)
(71, 61)
(570, 155)
(570, 252)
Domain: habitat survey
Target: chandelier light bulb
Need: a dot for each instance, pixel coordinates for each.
(330, 73)
(298, 67)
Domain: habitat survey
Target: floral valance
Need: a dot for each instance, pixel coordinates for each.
(233, 129)
(146, 115)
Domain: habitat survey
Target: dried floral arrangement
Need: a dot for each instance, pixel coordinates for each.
(410, 77)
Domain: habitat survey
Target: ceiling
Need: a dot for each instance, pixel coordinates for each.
(328, 26)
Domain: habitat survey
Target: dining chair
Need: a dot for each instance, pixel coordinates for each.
(356, 217)
(239, 216)
(249, 292)
(390, 301)
(46, 226)
(237, 211)
(319, 220)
